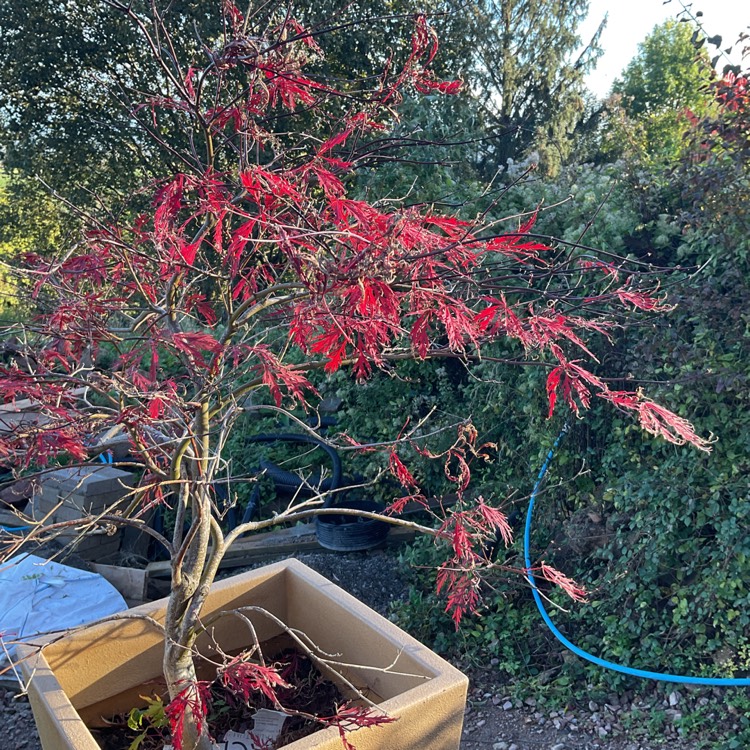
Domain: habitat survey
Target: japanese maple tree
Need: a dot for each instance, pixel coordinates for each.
(251, 268)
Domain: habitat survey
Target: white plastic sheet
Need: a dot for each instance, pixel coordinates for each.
(42, 596)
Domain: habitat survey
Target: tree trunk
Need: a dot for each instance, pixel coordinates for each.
(187, 596)
(179, 671)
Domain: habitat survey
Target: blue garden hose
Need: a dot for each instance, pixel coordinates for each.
(633, 672)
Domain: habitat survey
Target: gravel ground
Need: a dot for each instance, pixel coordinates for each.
(17, 730)
(494, 721)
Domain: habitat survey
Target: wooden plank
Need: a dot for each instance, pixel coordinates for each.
(24, 412)
(301, 536)
(25, 404)
(90, 546)
(130, 582)
(433, 503)
(11, 421)
(274, 543)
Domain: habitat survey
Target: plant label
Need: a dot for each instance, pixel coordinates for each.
(232, 741)
(267, 725)
(237, 741)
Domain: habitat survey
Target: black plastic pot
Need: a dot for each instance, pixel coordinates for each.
(348, 533)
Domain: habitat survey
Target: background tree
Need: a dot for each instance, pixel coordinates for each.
(527, 74)
(668, 78)
(71, 76)
(58, 117)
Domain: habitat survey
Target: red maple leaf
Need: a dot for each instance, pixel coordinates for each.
(399, 470)
(568, 585)
(196, 344)
(350, 717)
(462, 588)
(243, 677)
(495, 519)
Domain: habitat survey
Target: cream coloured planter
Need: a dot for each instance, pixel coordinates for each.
(103, 669)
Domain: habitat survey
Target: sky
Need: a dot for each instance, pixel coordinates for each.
(630, 21)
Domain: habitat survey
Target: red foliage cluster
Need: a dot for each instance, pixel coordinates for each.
(350, 717)
(570, 587)
(243, 678)
(192, 703)
(233, 265)
(725, 130)
(472, 531)
(282, 244)
(733, 92)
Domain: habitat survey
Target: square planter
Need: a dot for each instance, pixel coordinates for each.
(102, 670)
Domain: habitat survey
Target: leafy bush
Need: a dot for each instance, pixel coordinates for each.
(660, 536)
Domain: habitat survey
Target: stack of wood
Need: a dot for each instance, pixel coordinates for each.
(21, 413)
